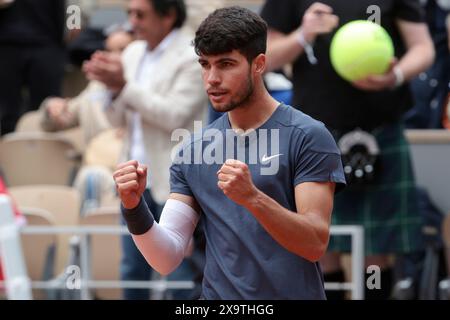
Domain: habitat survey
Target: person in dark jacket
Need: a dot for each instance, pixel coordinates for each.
(32, 56)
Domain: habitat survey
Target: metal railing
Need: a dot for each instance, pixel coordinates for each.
(357, 258)
(85, 282)
(357, 264)
(20, 286)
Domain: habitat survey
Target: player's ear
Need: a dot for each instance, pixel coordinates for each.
(259, 64)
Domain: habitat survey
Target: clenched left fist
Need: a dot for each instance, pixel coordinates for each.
(236, 182)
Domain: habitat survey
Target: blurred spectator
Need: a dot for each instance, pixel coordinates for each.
(88, 108)
(430, 89)
(386, 204)
(97, 19)
(32, 56)
(94, 180)
(157, 88)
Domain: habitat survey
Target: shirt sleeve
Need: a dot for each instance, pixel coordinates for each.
(281, 15)
(409, 10)
(178, 182)
(317, 159)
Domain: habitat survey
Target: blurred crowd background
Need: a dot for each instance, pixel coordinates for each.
(85, 84)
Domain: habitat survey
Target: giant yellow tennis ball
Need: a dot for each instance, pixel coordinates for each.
(361, 48)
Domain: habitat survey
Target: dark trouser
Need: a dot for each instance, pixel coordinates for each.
(40, 69)
(133, 266)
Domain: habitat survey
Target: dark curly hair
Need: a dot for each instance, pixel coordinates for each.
(232, 28)
(162, 8)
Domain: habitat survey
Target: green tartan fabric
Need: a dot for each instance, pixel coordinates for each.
(388, 207)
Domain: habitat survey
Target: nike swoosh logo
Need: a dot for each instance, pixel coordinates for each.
(266, 159)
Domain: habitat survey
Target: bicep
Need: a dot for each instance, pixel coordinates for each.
(189, 200)
(414, 33)
(315, 198)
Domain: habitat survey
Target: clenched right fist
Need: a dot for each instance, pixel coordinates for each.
(131, 180)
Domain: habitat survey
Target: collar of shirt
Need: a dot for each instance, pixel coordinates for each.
(151, 57)
(162, 46)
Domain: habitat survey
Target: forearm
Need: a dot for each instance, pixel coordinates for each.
(48, 123)
(163, 245)
(303, 234)
(418, 59)
(283, 50)
(159, 249)
(51, 125)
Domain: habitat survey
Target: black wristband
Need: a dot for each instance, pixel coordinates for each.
(140, 219)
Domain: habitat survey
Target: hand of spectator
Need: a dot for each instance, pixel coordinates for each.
(235, 181)
(131, 180)
(57, 111)
(107, 68)
(318, 19)
(378, 82)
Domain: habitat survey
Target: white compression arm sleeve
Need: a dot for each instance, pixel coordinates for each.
(164, 244)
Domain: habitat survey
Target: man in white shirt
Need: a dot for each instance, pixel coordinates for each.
(157, 88)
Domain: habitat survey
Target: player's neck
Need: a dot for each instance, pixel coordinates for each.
(258, 109)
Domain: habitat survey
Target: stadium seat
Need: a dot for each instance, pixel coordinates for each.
(105, 250)
(62, 202)
(29, 122)
(32, 158)
(39, 250)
